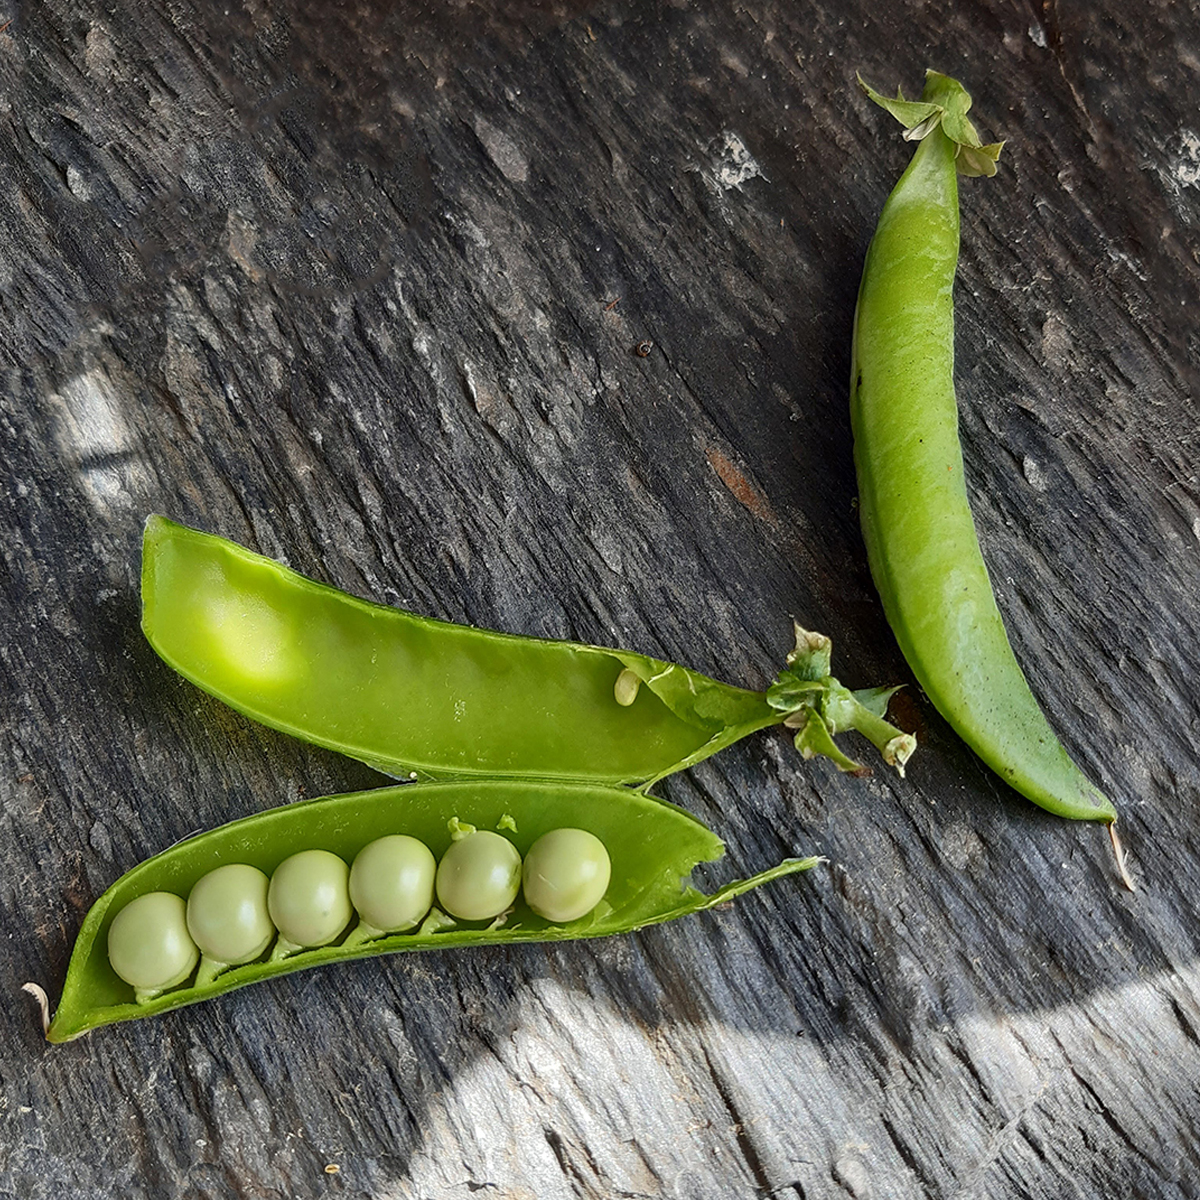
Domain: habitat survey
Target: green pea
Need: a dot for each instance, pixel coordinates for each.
(921, 542)
(227, 916)
(149, 945)
(391, 883)
(565, 875)
(626, 688)
(309, 899)
(479, 876)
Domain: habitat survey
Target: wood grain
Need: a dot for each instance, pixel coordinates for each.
(360, 285)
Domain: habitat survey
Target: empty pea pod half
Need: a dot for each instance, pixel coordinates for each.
(350, 876)
(422, 698)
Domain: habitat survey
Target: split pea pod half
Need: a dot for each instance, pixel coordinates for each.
(134, 956)
(921, 541)
(417, 697)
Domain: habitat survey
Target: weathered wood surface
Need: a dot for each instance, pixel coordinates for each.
(337, 280)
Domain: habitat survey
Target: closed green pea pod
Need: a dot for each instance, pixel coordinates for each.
(653, 847)
(149, 946)
(920, 537)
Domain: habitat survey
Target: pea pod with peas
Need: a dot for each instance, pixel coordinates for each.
(414, 867)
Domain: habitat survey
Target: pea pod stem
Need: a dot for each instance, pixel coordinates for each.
(921, 542)
(653, 845)
(362, 933)
(208, 970)
(812, 701)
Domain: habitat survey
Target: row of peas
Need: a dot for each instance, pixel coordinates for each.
(234, 913)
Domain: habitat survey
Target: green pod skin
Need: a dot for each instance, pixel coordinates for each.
(653, 847)
(921, 541)
(417, 697)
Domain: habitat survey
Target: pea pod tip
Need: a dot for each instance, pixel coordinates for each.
(1121, 857)
(43, 1002)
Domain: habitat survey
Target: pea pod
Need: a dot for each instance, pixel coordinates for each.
(653, 846)
(921, 541)
(413, 696)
